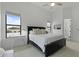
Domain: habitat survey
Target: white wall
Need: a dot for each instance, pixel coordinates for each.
(58, 17)
(67, 14)
(73, 13)
(30, 14)
(75, 23)
(0, 24)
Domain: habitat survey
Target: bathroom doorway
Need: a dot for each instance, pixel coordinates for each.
(67, 28)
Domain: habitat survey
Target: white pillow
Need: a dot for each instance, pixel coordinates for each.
(35, 31)
(38, 31)
(32, 32)
(43, 31)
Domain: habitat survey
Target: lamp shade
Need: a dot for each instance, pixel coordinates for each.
(48, 24)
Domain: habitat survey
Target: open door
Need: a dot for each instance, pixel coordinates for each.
(67, 28)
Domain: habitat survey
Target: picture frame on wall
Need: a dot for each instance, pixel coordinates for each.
(57, 26)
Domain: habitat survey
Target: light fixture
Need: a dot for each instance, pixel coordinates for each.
(52, 4)
(48, 24)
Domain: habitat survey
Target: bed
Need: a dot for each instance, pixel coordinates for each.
(47, 43)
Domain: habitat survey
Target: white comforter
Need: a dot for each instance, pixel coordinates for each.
(44, 39)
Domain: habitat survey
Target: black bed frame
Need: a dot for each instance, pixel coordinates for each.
(49, 48)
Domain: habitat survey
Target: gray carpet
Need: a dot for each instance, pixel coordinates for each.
(31, 51)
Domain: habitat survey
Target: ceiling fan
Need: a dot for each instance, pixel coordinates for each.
(53, 4)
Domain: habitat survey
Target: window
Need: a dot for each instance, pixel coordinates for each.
(13, 25)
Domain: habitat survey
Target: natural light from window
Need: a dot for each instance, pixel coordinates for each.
(13, 25)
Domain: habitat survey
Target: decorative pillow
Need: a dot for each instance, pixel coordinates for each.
(31, 32)
(38, 31)
(43, 31)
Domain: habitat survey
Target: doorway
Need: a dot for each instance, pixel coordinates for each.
(67, 29)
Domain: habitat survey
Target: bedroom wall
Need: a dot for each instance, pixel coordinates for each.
(30, 14)
(58, 17)
(67, 14)
(73, 13)
(75, 23)
(0, 24)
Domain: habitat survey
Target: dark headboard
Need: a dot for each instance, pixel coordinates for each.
(29, 28)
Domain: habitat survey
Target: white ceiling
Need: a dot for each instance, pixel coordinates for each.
(49, 8)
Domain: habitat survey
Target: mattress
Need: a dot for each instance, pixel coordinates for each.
(43, 39)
